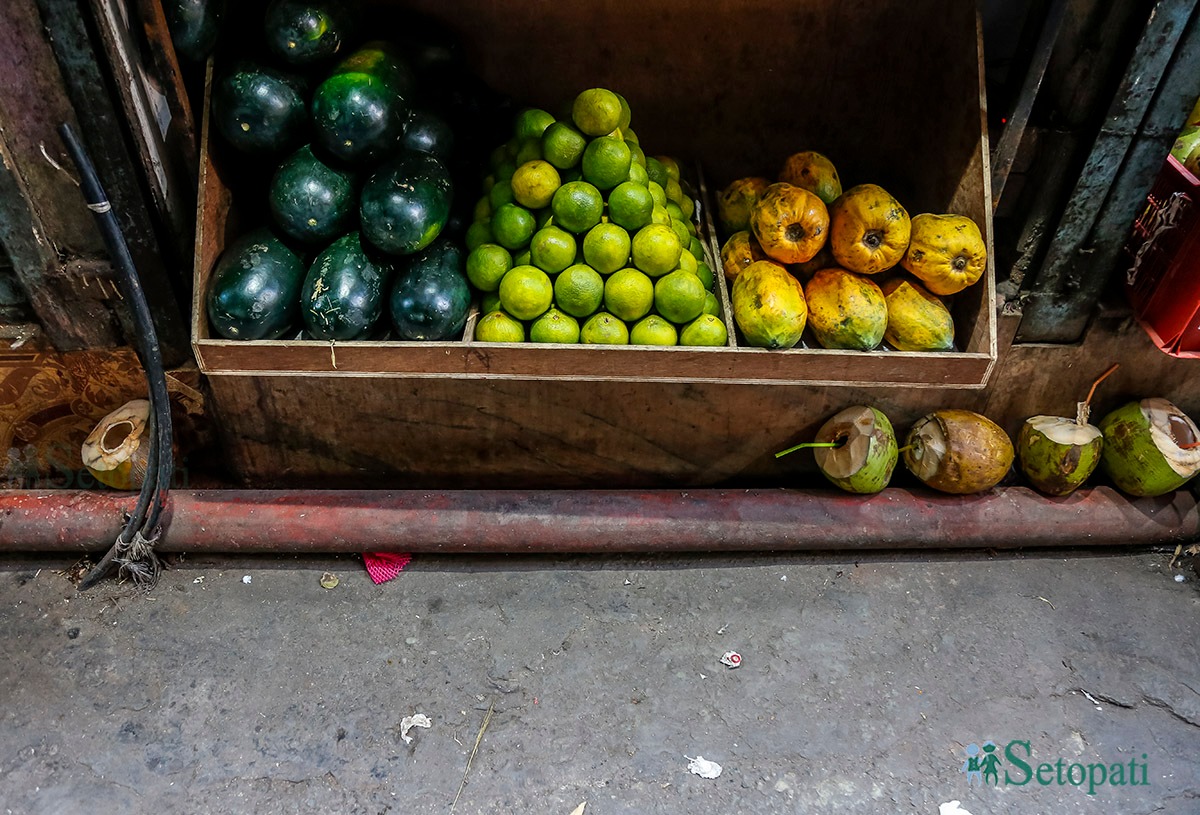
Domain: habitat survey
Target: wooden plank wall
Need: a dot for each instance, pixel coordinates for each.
(373, 432)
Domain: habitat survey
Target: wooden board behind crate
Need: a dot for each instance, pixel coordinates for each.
(322, 431)
(50, 401)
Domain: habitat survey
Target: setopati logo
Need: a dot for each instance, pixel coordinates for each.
(1016, 766)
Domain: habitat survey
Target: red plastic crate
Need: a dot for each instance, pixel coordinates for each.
(1163, 277)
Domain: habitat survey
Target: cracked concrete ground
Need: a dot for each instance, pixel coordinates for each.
(861, 687)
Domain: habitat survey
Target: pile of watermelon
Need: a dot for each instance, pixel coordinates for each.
(359, 209)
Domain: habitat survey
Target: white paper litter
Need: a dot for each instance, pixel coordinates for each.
(731, 659)
(409, 722)
(1180, 578)
(704, 768)
(579, 809)
(951, 808)
(246, 579)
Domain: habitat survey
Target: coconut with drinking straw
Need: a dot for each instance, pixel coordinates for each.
(1058, 454)
(855, 450)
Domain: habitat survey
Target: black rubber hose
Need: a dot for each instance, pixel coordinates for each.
(161, 468)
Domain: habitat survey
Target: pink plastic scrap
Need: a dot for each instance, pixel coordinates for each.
(383, 566)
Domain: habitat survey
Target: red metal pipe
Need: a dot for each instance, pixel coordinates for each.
(600, 520)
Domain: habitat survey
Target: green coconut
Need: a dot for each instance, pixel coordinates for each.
(958, 451)
(1151, 447)
(1058, 454)
(864, 452)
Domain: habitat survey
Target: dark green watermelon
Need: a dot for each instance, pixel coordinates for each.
(431, 298)
(254, 293)
(259, 109)
(194, 25)
(310, 200)
(429, 133)
(359, 113)
(307, 32)
(358, 117)
(405, 204)
(382, 60)
(342, 296)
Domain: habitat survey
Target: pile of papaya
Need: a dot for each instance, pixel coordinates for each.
(360, 145)
(849, 266)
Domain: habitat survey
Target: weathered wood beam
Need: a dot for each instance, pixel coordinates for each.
(1148, 109)
(163, 266)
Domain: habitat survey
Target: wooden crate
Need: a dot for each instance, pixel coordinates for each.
(891, 90)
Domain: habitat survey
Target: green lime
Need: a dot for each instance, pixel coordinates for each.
(656, 250)
(552, 249)
(523, 258)
(606, 248)
(534, 184)
(555, 326)
(513, 226)
(606, 162)
(639, 158)
(626, 113)
(637, 174)
(670, 165)
(500, 194)
(673, 190)
(486, 266)
(496, 326)
(577, 206)
(657, 193)
(657, 172)
(696, 248)
(630, 205)
(579, 290)
(526, 292)
(678, 296)
(563, 145)
(478, 234)
(489, 303)
(688, 205)
(658, 215)
(681, 230)
(705, 273)
(688, 264)
(704, 330)
(711, 305)
(604, 329)
(531, 123)
(597, 112)
(653, 330)
(499, 156)
(483, 209)
(505, 171)
(629, 294)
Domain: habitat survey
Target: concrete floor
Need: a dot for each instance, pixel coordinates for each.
(861, 685)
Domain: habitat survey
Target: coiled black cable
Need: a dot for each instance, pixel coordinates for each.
(133, 550)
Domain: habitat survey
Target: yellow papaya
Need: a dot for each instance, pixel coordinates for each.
(946, 252)
(845, 310)
(768, 305)
(916, 319)
(735, 202)
(739, 252)
(815, 173)
(868, 229)
(790, 223)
